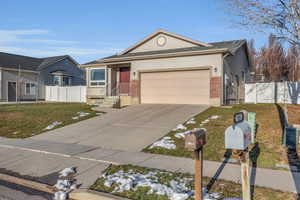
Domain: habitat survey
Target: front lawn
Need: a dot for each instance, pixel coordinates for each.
(26, 120)
(293, 114)
(267, 153)
(141, 183)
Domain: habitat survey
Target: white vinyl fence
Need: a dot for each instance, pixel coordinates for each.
(274, 92)
(66, 94)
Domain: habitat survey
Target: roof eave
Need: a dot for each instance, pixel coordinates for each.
(15, 69)
(165, 55)
(92, 65)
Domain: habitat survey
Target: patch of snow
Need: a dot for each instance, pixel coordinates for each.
(165, 142)
(67, 171)
(215, 117)
(73, 187)
(181, 134)
(51, 126)
(176, 189)
(98, 113)
(180, 127)
(83, 114)
(80, 114)
(60, 195)
(63, 185)
(205, 121)
(210, 118)
(191, 121)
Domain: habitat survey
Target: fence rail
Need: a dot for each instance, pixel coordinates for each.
(273, 92)
(66, 94)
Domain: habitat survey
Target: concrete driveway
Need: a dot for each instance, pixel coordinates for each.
(128, 129)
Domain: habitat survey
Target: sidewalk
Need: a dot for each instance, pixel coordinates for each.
(43, 159)
(44, 167)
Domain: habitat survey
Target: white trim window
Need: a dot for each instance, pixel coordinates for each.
(30, 89)
(56, 80)
(97, 77)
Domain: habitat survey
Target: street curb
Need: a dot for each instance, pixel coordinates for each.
(28, 183)
(93, 195)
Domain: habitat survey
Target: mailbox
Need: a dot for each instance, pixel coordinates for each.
(195, 139)
(238, 136)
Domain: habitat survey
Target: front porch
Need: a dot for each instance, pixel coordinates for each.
(110, 85)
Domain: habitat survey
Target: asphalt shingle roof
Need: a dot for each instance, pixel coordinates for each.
(232, 46)
(50, 60)
(13, 61)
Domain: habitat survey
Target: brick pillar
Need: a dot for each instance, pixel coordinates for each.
(215, 87)
(135, 91)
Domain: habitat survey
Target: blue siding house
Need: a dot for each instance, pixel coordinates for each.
(25, 78)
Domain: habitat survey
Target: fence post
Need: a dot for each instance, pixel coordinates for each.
(255, 93)
(80, 100)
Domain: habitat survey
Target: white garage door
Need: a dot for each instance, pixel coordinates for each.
(175, 87)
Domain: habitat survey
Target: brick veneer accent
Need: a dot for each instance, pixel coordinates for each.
(215, 87)
(134, 88)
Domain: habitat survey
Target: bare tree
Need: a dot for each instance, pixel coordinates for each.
(252, 55)
(293, 63)
(281, 17)
(272, 60)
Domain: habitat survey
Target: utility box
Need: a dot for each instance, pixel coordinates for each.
(238, 136)
(291, 137)
(195, 140)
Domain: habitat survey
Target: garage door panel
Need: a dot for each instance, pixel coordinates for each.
(169, 84)
(171, 101)
(173, 92)
(176, 87)
(184, 76)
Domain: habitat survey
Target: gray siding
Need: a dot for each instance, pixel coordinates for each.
(234, 65)
(78, 75)
(44, 78)
(12, 76)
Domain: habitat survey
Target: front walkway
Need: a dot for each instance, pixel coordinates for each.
(43, 159)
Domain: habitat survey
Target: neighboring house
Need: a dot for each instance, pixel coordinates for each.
(166, 68)
(24, 78)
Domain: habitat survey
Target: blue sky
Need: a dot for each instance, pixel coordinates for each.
(92, 29)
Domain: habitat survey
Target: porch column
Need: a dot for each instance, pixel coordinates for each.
(109, 82)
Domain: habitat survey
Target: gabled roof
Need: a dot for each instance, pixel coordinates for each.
(226, 46)
(160, 31)
(51, 60)
(8, 60)
(14, 61)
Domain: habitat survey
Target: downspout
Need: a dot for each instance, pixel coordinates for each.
(224, 97)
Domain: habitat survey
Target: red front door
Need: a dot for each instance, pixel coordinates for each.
(124, 80)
